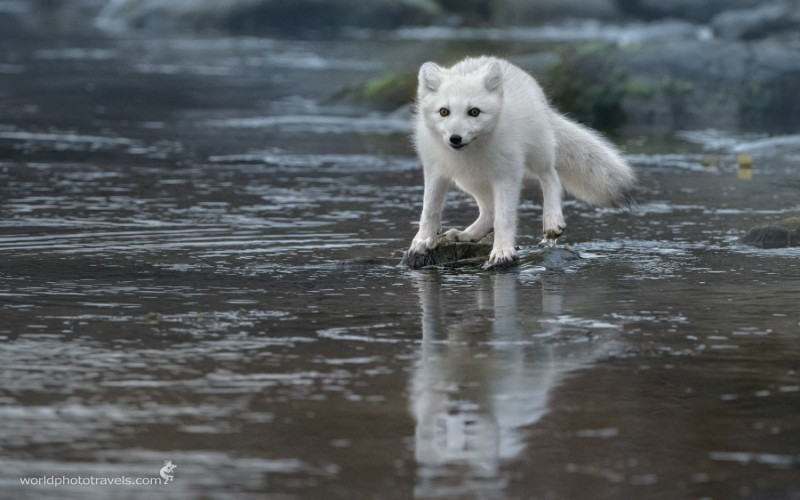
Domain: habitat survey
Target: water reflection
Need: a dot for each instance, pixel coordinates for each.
(483, 376)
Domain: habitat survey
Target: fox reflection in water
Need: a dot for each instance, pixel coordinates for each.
(484, 373)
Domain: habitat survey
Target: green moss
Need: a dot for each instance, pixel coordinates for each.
(791, 223)
(381, 84)
(389, 91)
(589, 48)
(679, 87)
(640, 88)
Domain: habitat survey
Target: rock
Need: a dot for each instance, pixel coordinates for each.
(688, 84)
(785, 233)
(527, 13)
(384, 93)
(265, 16)
(451, 254)
(698, 11)
(46, 19)
(764, 21)
(457, 255)
(291, 17)
(649, 87)
(588, 85)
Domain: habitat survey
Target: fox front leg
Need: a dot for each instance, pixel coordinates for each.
(506, 195)
(430, 221)
(553, 224)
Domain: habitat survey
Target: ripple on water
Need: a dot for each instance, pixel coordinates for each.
(380, 333)
(319, 124)
(301, 163)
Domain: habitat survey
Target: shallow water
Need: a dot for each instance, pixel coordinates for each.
(198, 262)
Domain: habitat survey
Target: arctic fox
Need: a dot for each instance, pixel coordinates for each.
(485, 125)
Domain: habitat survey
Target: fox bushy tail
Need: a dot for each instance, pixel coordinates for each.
(590, 167)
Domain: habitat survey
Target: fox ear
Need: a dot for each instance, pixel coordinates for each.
(430, 77)
(493, 79)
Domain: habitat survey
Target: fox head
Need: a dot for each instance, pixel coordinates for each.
(460, 106)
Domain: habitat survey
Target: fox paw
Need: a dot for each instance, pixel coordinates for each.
(502, 258)
(554, 226)
(553, 233)
(421, 244)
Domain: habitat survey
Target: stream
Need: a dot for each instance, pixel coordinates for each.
(199, 261)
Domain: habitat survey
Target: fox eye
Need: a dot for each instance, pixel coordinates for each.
(444, 111)
(474, 112)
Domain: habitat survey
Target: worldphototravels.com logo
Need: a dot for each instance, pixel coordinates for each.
(165, 476)
(166, 472)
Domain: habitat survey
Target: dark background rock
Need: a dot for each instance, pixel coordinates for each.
(254, 17)
(698, 11)
(48, 18)
(764, 21)
(685, 84)
(525, 12)
(298, 16)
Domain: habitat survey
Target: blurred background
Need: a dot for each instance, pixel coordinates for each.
(612, 63)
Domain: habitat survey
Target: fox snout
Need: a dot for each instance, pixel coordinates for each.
(456, 141)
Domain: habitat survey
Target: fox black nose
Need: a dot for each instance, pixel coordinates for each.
(455, 139)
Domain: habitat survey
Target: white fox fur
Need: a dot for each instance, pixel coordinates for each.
(485, 124)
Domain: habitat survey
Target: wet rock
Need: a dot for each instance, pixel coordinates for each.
(769, 20)
(785, 233)
(460, 254)
(453, 254)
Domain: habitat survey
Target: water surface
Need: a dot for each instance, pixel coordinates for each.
(198, 262)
